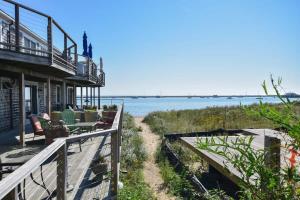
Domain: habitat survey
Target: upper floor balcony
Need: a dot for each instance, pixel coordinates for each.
(86, 72)
(35, 40)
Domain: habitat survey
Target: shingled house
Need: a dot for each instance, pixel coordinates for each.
(40, 68)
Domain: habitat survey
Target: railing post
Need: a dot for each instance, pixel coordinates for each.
(65, 55)
(49, 39)
(76, 55)
(272, 159)
(120, 136)
(272, 152)
(114, 162)
(17, 27)
(62, 173)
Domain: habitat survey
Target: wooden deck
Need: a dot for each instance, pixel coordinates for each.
(219, 163)
(80, 177)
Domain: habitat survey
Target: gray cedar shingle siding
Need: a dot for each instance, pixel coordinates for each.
(5, 113)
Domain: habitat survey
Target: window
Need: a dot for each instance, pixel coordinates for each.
(58, 94)
(33, 46)
(26, 44)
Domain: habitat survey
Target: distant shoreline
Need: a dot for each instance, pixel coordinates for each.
(194, 96)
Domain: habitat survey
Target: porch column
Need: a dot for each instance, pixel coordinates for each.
(94, 96)
(22, 109)
(86, 95)
(74, 96)
(64, 94)
(91, 96)
(81, 97)
(48, 96)
(98, 97)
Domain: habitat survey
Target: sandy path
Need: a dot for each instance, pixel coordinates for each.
(151, 170)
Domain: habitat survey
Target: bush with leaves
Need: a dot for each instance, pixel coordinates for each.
(261, 182)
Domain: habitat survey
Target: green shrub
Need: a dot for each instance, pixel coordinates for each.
(177, 183)
(134, 187)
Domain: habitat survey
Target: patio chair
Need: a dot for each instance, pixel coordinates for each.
(68, 117)
(36, 126)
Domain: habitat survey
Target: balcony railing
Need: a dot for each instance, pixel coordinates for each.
(48, 174)
(101, 79)
(87, 68)
(35, 37)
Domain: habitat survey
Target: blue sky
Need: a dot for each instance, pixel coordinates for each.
(186, 47)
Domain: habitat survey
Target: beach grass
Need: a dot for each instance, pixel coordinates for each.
(211, 118)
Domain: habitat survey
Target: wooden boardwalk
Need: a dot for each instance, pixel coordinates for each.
(219, 163)
(81, 179)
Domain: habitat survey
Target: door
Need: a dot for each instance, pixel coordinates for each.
(31, 99)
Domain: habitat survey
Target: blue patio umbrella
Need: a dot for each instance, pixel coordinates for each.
(85, 50)
(90, 51)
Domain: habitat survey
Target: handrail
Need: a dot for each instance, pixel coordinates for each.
(15, 178)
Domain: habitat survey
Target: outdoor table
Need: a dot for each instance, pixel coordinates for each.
(89, 126)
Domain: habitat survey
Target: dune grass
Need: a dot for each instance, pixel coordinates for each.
(211, 118)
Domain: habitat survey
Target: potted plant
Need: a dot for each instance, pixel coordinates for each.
(99, 167)
(109, 113)
(90, 116)
(56, 116)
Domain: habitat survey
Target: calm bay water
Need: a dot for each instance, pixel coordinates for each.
(143, 106)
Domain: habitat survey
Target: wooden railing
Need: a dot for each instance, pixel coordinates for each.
(101, 79)
(89, 68)
(12, 37)
(13, 186)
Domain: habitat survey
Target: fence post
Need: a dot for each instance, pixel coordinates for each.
(272, 152)
(17, 27)
(114, 162)
(272, 159)
(62, 173)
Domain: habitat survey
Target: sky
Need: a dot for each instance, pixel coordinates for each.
(186, 47)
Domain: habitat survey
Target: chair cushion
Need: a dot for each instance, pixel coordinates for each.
(45, 116)
(36, 124)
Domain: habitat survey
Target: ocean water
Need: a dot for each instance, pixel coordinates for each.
(143, 106)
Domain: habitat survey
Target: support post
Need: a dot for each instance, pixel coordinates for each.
(99, 105)
(62, 173)
(64, 94)
(94, 95)
(49, 40)
(91, 96)
(49, 96)
(86, 95)
(22, 109)
(74, 96)
(81, 98)
(17, 27)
